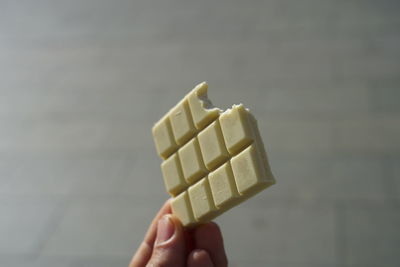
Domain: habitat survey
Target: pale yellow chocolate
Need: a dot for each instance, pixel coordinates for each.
(182, 208)
(182, 123)
(202, 111)
(192, 162)
(173, 176)
(213, 160)
(223, 187)
(249, 172)
(212, 146)
(236, 128)
(163, 138)
(202, 201)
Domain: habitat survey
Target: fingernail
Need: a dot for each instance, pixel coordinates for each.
(165, 229)
(200, 257)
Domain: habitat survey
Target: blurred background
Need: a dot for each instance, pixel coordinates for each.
(82, 83)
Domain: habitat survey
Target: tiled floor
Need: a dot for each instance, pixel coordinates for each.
(82, 82)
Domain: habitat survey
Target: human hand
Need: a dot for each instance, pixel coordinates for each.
(167, 244)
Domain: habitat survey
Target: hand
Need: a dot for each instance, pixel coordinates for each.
(167, 244)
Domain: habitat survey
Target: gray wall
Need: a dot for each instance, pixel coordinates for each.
(83, 81)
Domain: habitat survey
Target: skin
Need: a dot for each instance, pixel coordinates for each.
(166, 244)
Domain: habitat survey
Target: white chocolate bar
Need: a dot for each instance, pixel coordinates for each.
(213, 160)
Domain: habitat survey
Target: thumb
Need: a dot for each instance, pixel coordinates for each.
(169, 247)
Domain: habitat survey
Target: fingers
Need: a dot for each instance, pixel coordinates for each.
(150, 236)
(208, 237)
(199, 258)
(164, 244)
(145, 250)
(169, 247)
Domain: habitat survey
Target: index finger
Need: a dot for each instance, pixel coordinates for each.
(150, 236)
(208, 237)
(145, 249)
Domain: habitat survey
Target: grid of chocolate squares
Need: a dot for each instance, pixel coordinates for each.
(212, 160)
